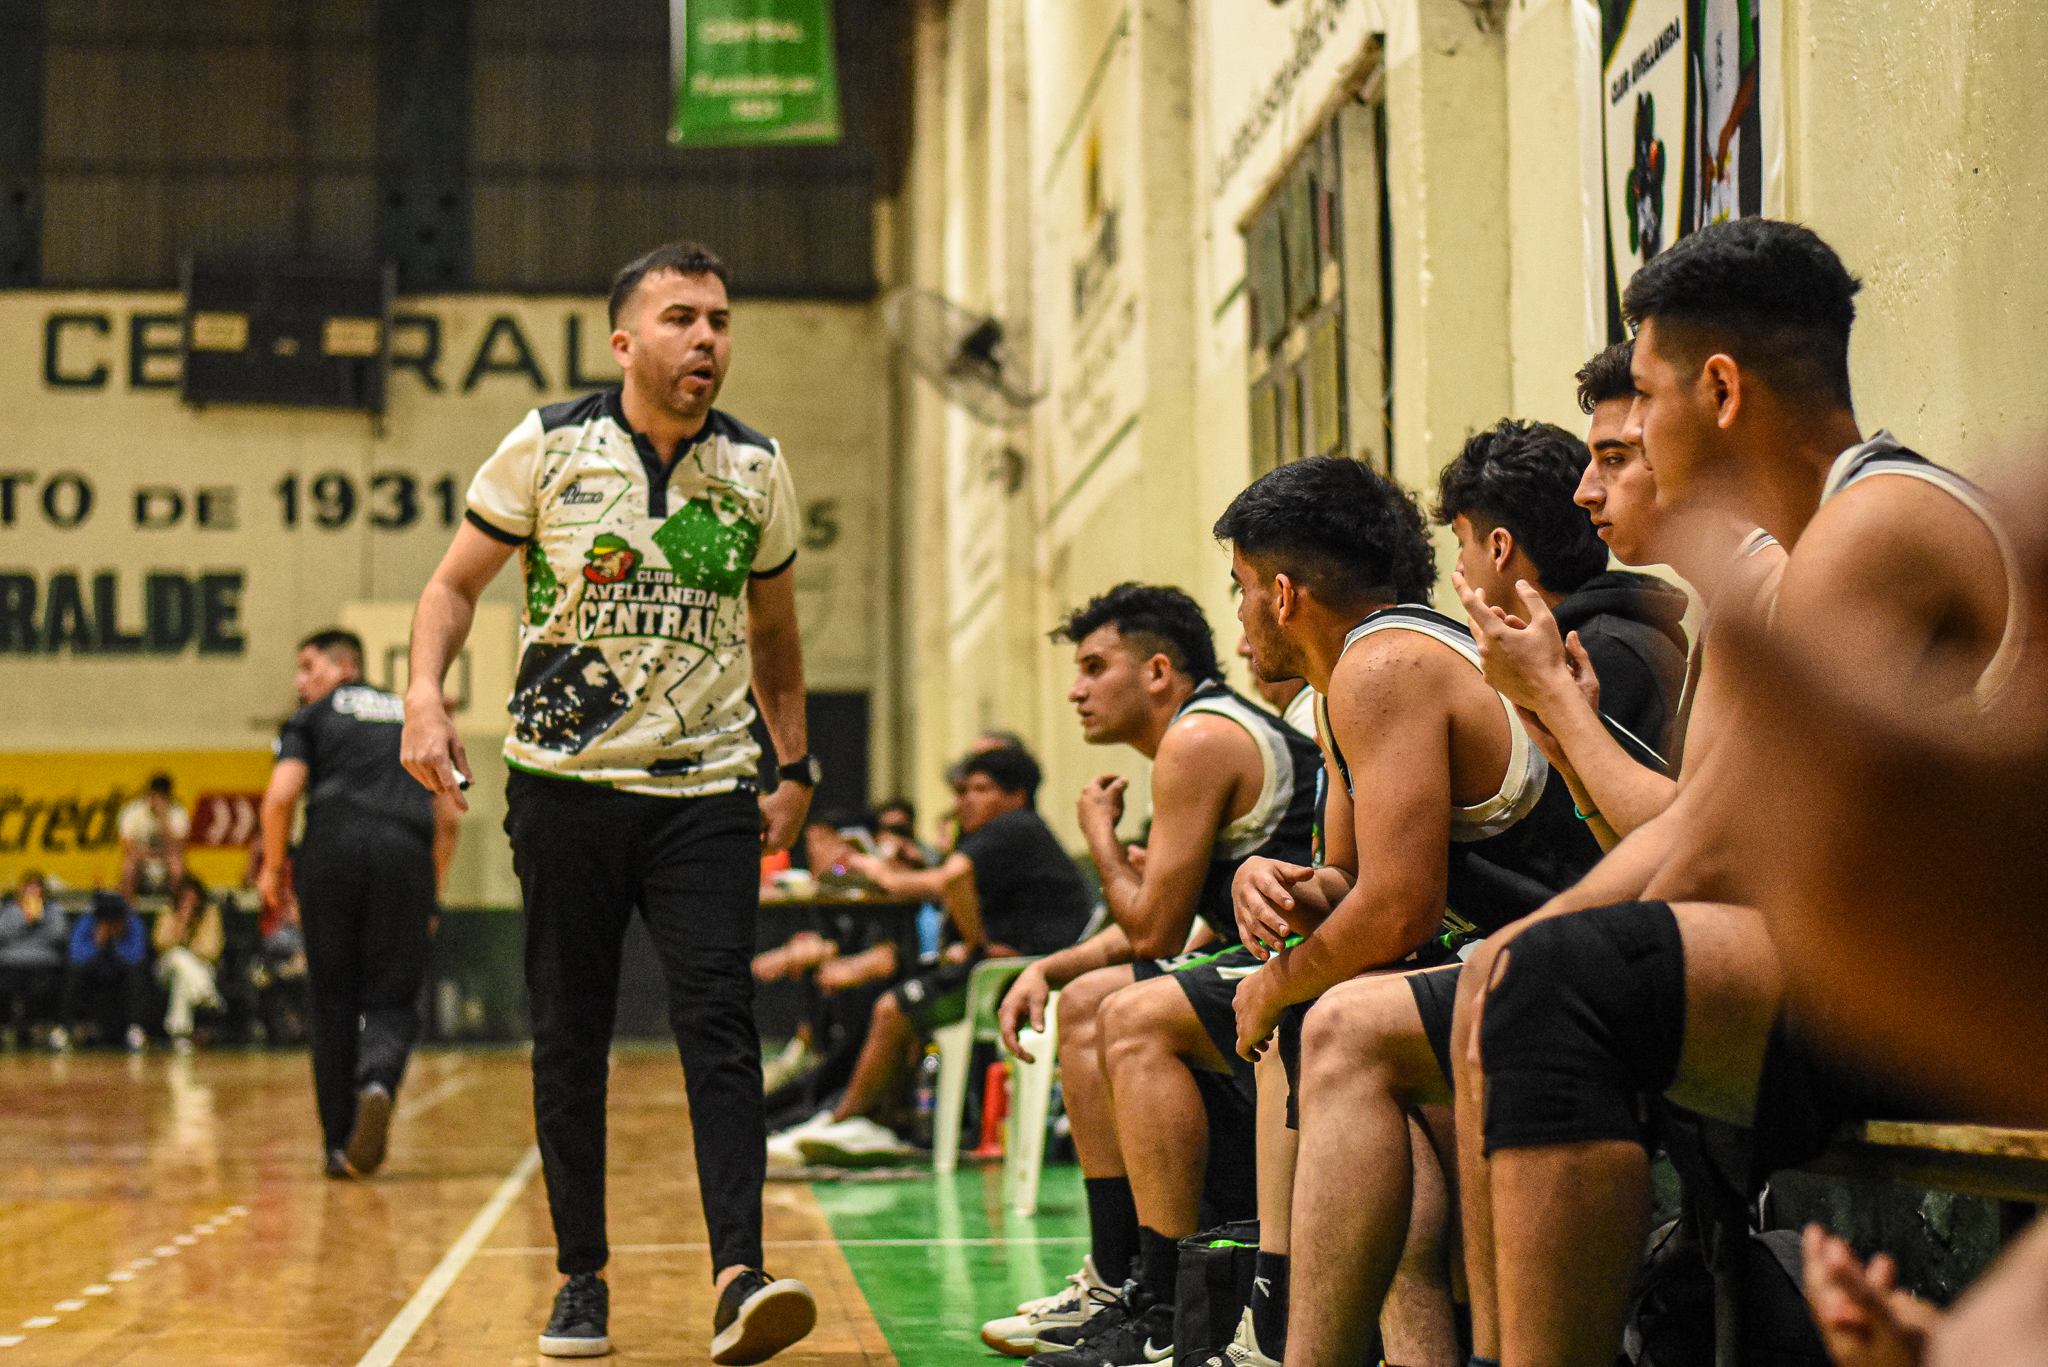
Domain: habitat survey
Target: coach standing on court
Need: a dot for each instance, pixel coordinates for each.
(657, 535)
(365, 878)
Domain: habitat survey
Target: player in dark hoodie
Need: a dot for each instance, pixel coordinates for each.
(1508, 499)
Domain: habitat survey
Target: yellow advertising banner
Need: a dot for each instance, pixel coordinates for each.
(61, 813)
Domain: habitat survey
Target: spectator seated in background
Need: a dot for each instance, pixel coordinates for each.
(1229, 781)
(35, 937)
(1008, 889)
(277, 970)
(895, 828)
(189, 939)
(850, 953)
(153, 830)
(109, 973)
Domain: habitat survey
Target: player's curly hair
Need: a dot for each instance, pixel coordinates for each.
(1332, 524)
(1154, 619)
(1521, 476)
(1606, 377)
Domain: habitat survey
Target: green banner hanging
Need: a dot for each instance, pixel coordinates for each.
(753, 71)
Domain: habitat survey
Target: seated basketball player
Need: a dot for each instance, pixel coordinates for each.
(1375, 1050)
(1331, 560)
(1230, 781)
(1895, 846)
(1655, 974)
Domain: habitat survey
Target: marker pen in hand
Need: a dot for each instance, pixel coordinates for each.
(461, 779)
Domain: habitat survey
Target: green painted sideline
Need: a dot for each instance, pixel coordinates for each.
(930, 1299)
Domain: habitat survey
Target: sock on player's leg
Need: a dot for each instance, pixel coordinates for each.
(1158, 1264)
(1269, 1304)
(1112, 1227)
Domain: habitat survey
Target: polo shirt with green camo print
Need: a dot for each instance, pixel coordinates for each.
(633, 660)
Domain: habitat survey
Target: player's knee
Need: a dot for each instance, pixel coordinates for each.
(1081, 1000)
(1133, 1023)
(1346, 1034)
(1582, 1015)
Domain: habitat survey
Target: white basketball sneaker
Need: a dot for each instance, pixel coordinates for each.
(783, 1151)
(1241, 1351)
(1016, 1335)
(854, 1143)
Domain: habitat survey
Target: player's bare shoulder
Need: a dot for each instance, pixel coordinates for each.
(1395, 671)
(1203, 748)
(1914, 545)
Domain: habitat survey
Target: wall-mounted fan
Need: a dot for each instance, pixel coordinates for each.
(971, 357)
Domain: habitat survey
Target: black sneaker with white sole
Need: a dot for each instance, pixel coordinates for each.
(1113, 1308)
(366, 1142)
(1137, 1330)
(758, 1316)
(579, 1328)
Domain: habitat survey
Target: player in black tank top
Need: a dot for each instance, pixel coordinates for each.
(1508, 854)
(1228, 780)
(1283, 826)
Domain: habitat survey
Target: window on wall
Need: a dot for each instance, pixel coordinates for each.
(1314, 271)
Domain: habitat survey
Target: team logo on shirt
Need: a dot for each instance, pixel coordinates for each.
(612, 560)
(642, 600)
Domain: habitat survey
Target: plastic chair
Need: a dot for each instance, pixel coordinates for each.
(985, 988)
(1030, 1101)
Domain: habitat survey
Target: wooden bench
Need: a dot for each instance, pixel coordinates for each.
(1978, 1160)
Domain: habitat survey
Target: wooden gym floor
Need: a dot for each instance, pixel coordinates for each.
(167, 1209)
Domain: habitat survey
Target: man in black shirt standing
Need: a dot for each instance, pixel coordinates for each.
(1009, 890)
(366, 876)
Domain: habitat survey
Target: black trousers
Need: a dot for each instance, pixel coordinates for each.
(366, 902)
(587, 855)
(115, 995)
(37, 992)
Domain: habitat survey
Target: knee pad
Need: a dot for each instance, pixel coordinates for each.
(1588, 1015)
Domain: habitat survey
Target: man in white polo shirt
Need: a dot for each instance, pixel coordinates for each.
(657, 535)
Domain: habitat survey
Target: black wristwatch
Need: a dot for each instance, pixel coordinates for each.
(806, 771)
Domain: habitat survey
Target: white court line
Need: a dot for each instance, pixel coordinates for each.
(800, 1243)
(433, 1096)
(399, 1332)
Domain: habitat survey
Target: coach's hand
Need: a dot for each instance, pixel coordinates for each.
(1262, 896)
(430, 749)
(1023, 1004)
(782, 814)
